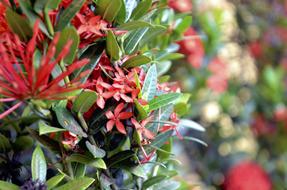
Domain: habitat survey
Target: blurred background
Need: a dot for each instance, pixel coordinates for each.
(237, 76)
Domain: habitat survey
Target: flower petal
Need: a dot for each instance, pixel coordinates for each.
(125, 115)
(110, 125)
(120, 127)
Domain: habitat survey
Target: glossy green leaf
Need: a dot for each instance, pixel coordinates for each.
(161, 139)
(122, 14)
(191, 124)
(109, 9)
(95, 151)
(54, 181)
(163, 100)
(85, 101)
(133, 25)
(93, 53)
(142, 113)
(170, 56)
(149, 86)
(40, 5)
(195, 140)
(69, 33)
(32, 16)
(152, 33)
(4, 143)
(133, 40)
(138, 171)
(67, 121)
(165, 151)
(113, 48)
(8, 186)
(69, 13)
(38, 165)
(153, 180)
(136, 61)
(120, 157)
(141, 9)
(84, 159)
(18, 25)
(77, 184)
(182, 25)
(46, 129)
(79, 169)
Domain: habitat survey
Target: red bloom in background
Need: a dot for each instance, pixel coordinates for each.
(31, 82)
(255, 49)
(218, 80)
(247, 176)
(116, 117)
(260, 125)
(192, 47)
(3, 22)
(180, 5)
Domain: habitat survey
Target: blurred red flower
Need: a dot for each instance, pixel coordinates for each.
(192, 47)
(247, 175)
(260, 125)
(255, 49)
(218, 81)
(180, 5)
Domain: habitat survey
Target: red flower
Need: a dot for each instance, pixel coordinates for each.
(247, 176)
(3, 23)
(34, 82)
(192, 46)
(70, 139)
(116, 117)
(255, 48)
(260, 125)
(180, 5)
(102, 94)
(218, 80)
(140, 127)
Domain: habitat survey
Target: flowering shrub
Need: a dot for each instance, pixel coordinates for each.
(84, 100)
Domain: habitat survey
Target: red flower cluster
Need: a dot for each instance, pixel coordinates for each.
(180, 5)
(31, 82)
(192, 46)
(218, 81)
(261, 126)
(247, 176)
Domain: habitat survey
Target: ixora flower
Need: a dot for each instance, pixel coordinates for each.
(192, 47)
(21, 80)
(116, 117)
(247, 176)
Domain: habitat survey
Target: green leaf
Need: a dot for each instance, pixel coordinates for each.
(18, 25)
(195, 140)
(167, 184)
(94, 53)
(161, 139)
(130, 5)
(69, 33)
(85, 101)
(52, 4)
(8, 186)
(125, 144)
(96, 151)
(170, 56)
(109, 9)
(38, 165)
(133, 25)
(152, 33)
(54, 181)
(163, 100)
(79, 169)
(45, 129)
(138, 171)
(120, 157)
(133, 40)
(69, 13)
(182, 25)
(40, 5)
(141, 9)
(23, 143)
(149, 86)
(77, 184)
(153, 180)
(66, 120)
(32, 16)
(121, 17)
(113, 48)
(84, 159)
(136, 61)
(190, 124)
(165, 151)
(4, 143)
(142, 113)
